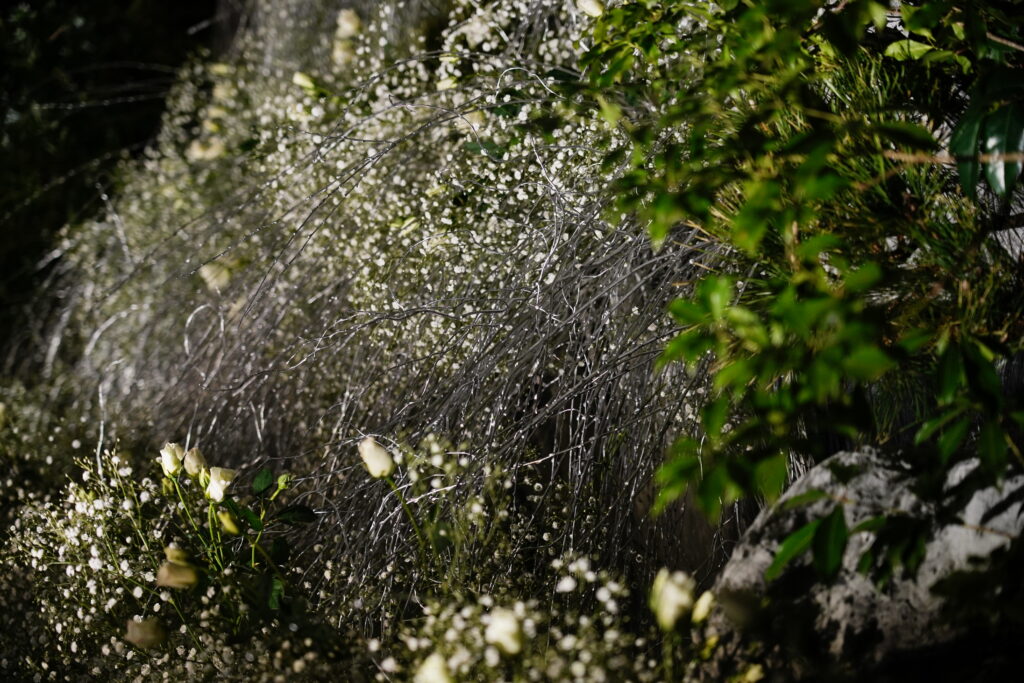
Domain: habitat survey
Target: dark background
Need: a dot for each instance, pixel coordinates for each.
(82, 84)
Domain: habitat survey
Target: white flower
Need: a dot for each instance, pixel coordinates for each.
(194, 462)
(170, 458)
(671, 597)
(567, 584)
(592, 8)
(504, 632)
(702, 608)
(433, 670)
(378, 461)
(220, 479)
(349, 24)
(303, 81)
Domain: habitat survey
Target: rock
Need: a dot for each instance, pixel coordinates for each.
(813, 626)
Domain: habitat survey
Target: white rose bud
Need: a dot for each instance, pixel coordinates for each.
(220, 479)
(378, 461)
(349, 24)
(194, 462)
(174, 575)
(671, 597)
(702, 608)
(170, 458)
(434, 669)
(592, 8)
(504, 632)
(145, 634)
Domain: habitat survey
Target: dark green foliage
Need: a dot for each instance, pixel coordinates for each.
(808, 139)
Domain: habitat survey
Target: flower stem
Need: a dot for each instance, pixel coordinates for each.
(412, 520)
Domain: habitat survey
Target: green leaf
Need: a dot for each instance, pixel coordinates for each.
(295, 515)
(864, 278)
(263, 480)
(714, 414)
(830, 543)
(872, 524)
(251, 519)
(908, 134)
(687, 312)
(992, 446)
(933, 425)
(949, 375)
(770, 476)
(794, 545)
(276, 593)
(963, 144)
(867, 363)
(951, 439)
(805, 498)
(716, 293)
(673, 478)
(1003, 134)
(907, 49)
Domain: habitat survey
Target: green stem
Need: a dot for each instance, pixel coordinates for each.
(412, 520)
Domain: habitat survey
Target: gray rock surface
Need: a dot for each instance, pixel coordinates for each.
(853, 621)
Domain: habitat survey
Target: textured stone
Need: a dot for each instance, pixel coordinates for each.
(855, 623)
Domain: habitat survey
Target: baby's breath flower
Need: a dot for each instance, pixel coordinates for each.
(434, 669)
(504, 631)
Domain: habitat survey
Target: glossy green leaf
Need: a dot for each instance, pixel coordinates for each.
(295, 515)
(992, 446)
(951, 438)
(829, 543)
(907, 49)
(963, 144)
(770, 476)
(263, 480)
(1003, 134)
(949, 375)
(251, 519)
(930, 427)
(805, 498)
(870, 525)
(793, 546)
(908, 134)
(867, 363)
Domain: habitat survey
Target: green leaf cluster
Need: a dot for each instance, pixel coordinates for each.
(828, 158)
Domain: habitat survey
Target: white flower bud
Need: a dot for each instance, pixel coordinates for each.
(194, 462)
(170, 458)
(174, 575)
(145, 634)
(220, 479)
(702, 608)
(378, 461)
(349, 24)
(671, 597)
(592, 8)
